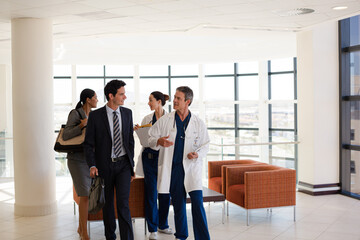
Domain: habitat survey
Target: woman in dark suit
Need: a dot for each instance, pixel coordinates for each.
(77, 165)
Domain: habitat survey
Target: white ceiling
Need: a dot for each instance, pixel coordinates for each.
(166, 31)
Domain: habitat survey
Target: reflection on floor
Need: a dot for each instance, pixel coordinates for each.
(324, 217)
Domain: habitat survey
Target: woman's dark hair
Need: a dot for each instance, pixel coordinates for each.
(112, 87)
(85, 94)
(160, 96)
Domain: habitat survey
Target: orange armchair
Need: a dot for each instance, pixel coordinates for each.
(217, 169)
(261, 186)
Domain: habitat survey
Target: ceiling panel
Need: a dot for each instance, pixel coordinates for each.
(135, 11)
(108, 4)
(73, 8)
(183, 19)
(175, 5)
(42, 12)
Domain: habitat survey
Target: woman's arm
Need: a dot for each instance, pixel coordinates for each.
(72, 128)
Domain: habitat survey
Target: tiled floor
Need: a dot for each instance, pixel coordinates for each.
(332, 217)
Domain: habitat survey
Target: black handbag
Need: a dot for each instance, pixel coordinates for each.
(74, 144)
(96, 195)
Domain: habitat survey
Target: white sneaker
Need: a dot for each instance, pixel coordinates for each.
(166, 230)
(153, 235)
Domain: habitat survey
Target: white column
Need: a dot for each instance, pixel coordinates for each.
(263, 111)
(136, 113)
(74, 97)
(318, 107)
(6, 118)
(32, 70)
(201, 92)
(9, 123)
(3, 97)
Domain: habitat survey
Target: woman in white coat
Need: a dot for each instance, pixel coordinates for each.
(147, 166)
(184, 141)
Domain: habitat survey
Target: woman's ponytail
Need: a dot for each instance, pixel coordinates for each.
(85, 94)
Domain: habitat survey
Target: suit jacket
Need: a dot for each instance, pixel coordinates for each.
(72, 130)
(98, 142)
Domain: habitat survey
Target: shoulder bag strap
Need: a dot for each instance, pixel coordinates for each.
(79, 113)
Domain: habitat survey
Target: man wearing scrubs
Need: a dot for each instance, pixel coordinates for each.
(183, 141)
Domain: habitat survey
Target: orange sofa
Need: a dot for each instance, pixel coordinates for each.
(261, 186)
(217, 172)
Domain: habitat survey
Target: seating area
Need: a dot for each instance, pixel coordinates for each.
(217, 169)
(253, 185)
(326, 217)
(247, 183)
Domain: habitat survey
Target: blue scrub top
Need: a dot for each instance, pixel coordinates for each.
(180, 139)
(149, 150)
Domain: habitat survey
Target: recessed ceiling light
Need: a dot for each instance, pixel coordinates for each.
(294, 12)
(100, 15)
(340, 8)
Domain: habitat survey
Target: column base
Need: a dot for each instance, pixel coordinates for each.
(320, 189)
(35, 211)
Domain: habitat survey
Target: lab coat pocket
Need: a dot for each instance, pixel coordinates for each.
(196, 143)
(193, 140)
(196, 171)
(172, 135)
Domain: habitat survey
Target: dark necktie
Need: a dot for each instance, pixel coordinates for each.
(117, 139)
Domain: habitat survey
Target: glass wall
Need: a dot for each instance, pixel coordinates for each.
(283, 112)
(349, 45)
(63, 101)
(227, 96)
(69, 81)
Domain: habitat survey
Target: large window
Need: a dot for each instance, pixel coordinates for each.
(69, 81)
(229, 97)
(349, 45)
(283, 112)
(63, 100)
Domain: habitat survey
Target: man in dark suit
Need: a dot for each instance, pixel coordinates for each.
(109, 150)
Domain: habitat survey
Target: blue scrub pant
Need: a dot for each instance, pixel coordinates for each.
(178, 198)
(155, 218)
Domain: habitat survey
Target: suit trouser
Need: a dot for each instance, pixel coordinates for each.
(155, 218)
(119, 178)
(178, 198)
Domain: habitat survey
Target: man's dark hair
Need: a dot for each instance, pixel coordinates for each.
(187, 92)
(112, 87)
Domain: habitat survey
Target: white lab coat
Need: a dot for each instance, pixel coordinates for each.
(139, 171)
(196, 139)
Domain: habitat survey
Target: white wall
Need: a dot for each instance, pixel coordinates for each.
(172, 48)
(318, 107)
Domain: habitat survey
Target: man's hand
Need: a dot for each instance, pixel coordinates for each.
(94, 172)
(164, 142)
(132, 178)
(192, 155)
